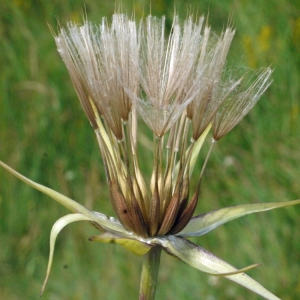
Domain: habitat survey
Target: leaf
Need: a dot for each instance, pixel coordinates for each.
(101, 219)
(204, 261)
(137, 247)
(65, 201)
(203, 224)
(56, 228)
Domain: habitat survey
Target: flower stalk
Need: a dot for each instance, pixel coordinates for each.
(149, 274)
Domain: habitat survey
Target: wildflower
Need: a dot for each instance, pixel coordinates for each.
(178, 88)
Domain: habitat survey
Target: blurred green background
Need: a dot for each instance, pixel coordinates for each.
(45, 135)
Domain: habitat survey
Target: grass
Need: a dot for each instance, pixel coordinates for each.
(45, 135)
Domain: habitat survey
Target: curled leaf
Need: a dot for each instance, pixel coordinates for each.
(57, 227)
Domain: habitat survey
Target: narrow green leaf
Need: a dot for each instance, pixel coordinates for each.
(206, 262)
(65, 201)
(57, 227)
(101, 219)
(202, 224)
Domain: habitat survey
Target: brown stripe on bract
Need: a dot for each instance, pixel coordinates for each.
(170, 215)
(187, 213)
(120, 206)
(137, 217)
(154, 214)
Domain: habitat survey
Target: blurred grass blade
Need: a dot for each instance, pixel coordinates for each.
(135, 246)
(57, 227)
(202, 224)
(204, 261)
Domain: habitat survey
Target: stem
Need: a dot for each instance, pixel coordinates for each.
(149, 274)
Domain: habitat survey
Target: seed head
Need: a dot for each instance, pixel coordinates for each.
(176, 84)
(98, 58)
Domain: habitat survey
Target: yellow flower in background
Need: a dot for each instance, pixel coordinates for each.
(250, 51)
(257, 45)
(264, 38)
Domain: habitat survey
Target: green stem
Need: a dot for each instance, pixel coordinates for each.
(149, 274)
